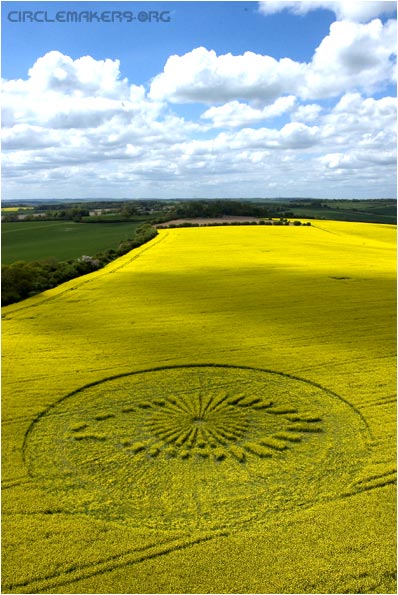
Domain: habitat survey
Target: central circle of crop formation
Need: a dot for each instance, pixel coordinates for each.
(201, 447)
(212, 420)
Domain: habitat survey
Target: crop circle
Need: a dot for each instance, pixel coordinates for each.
(202, 447)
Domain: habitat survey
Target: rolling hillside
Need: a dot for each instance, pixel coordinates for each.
(213, 412)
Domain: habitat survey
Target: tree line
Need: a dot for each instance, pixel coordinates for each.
(281, 221)
(22, 279)
(218, 208)
(154, 211)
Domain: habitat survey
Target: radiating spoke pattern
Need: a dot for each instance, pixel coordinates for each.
(197, 446)
(198, 423)
(219, 424)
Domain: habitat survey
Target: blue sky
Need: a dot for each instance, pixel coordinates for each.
(144, 47)
(226, 99)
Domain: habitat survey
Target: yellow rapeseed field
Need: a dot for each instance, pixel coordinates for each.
(14, 209)
(213, 412)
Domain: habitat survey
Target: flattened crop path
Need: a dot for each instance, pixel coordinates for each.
(213, 412)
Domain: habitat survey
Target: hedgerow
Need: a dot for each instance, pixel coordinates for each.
(24, 279)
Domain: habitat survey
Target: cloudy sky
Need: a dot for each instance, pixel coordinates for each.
(199, 99)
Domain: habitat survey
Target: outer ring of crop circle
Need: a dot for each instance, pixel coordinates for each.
(180, 367)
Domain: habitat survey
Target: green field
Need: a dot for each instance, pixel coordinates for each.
(381, 214)
(61, 240)
(213, 412)
(367, 211)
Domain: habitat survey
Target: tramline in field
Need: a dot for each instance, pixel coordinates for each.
(219, 398)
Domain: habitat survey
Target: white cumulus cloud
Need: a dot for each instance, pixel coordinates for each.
(351, 10)
(306, 113)
(76, 127)
(202, 76)
(235, 114)
(352, 56)
(82, 77)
